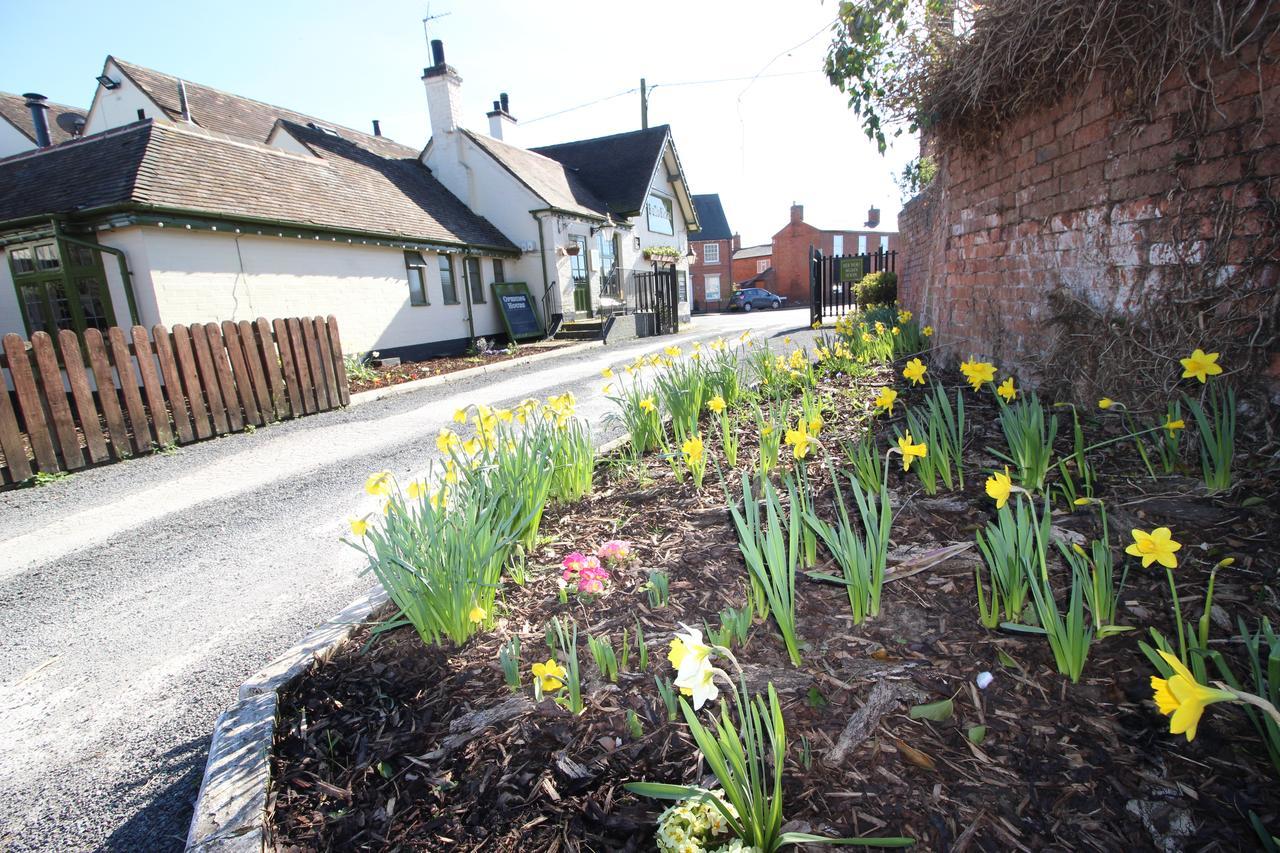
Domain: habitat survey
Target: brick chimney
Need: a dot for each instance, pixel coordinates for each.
(502, 124)
(797, 214)
(737, 242)
(873, 217)
(444, 94)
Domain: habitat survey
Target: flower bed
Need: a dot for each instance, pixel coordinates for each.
(905, 716)
(365, 377)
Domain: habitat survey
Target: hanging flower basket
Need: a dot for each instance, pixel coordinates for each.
(572, 248)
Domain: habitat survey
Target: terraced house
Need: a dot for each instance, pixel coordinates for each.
(178, 203)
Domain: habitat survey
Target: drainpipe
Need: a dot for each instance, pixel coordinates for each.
(466, 287)
(125, 277)
(542, 261)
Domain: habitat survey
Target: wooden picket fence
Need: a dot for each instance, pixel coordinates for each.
(102, 398)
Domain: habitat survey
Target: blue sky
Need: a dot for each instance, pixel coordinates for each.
(785, 136)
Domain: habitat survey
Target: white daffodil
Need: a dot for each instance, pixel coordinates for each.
(694, 655)
(702, 686)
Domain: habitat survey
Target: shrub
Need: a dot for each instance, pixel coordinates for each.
(877, 288)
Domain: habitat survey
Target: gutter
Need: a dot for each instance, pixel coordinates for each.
(125, 276)
(205, 215)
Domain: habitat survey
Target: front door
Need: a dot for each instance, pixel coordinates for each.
(581, 272)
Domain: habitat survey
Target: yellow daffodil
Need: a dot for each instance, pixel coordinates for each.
(476, 615)
(927, 331)
(450, 473)
(915, 371)
(504, 415)
(471, 446)
(766, 430)
(800, 440)
(416, 489)
(550, 675)
(672, 351)
(896, 330)
(816, 424)
(866, 337)
(744, 335)
(1106, 403)
(693, 450)
(439, 498)
(817, 324)
(379, 483)
(359, 526)
(978, 373)
(904, 315)
(1006, 390)
(1157, 546)
(787, 340)
(887, 398)
(647, 405)
(460, 416)
(1183, 699)
(999, 487)
(607, 373)
(910, 451)
(716, 404)
(1201, 365)
(446, 440)
(607, 389)
(1174, 425)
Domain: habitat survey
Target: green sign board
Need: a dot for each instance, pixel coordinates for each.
(519, 313)
(852, 269)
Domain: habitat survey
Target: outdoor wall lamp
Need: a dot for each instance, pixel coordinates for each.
(107, 82)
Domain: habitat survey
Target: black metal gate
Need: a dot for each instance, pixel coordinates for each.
(832, 280)
(658, 291)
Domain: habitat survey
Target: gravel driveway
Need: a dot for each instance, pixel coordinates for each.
(136, 597)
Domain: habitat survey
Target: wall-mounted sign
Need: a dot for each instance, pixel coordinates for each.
(659, 216)
(852, 269)
(519, 314)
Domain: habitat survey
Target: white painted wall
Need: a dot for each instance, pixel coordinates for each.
(204, 277)
(12, 140)
(119, 106)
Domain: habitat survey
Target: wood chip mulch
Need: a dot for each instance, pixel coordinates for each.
(393, 745)
(410, 370)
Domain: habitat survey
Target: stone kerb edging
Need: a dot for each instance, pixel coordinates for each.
(231, 810)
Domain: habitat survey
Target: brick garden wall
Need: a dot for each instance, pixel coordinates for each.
(1077, 204)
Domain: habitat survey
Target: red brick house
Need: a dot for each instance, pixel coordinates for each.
(753, 267)
(713, 247)
(790, 250)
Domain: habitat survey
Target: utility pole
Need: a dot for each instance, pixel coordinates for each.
(644, 106)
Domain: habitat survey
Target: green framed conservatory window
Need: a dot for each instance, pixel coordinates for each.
(60, 285)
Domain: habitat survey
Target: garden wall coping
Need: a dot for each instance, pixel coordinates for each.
(231, 809)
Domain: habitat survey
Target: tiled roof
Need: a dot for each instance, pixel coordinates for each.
(14, 108)
(223, 112)
(763, 251)
(715, 226)
(616, 168)
(550, 180)
(345, 187)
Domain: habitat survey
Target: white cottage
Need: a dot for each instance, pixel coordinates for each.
(180, 203)
(595, 208)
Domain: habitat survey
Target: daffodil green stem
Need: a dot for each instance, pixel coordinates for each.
(1250, 699)
(1121, 438)
(1177, 615)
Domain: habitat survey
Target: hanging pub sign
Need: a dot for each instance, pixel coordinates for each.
(519, 314)
(852, 268)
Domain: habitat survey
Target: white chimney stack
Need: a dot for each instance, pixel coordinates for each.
(444, 95)
(502, 124)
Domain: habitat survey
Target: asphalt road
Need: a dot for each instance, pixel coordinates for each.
(136, 597)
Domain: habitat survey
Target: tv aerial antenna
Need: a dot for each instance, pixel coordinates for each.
(426, 20)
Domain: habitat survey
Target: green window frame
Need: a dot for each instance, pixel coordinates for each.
(475, 282)
(448, 285)
(60, 285)
(416, 271)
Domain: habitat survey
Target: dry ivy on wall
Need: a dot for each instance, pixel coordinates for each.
(965, 86)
